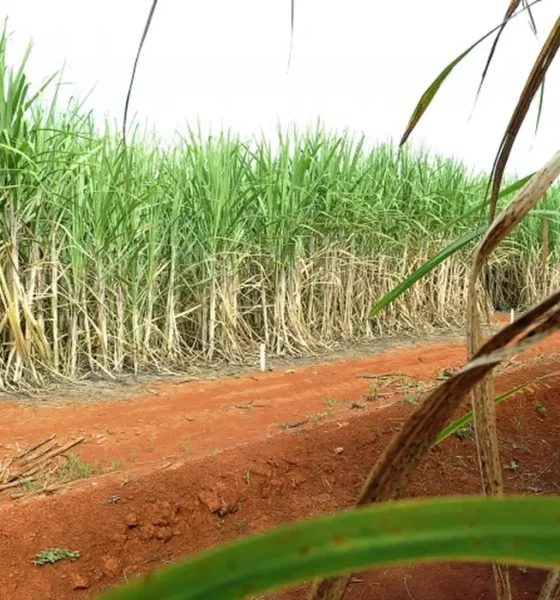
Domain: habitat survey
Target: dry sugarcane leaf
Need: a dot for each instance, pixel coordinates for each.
(517, 209)
(53, 453)
(513, 5)
(44, 490)
(393, 470)
(5, 471)
(36, 446)
(482, 394)
(433, 88)
(292, 23)
(551, 589)
(532, 23)
(135, 67)
(44, 449)
(534, 82)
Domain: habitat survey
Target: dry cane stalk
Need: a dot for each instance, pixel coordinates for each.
(13, 484)
(45, 490)
(45, 447)
(36, 446)
(392, 472)
(551, 589)
(56, 452)
(482, 394)
(394, 469)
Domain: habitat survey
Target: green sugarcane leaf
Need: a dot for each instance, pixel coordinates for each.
(514, 530)
(444, 254)
(428, 266)
(433, 88)
(467, 418)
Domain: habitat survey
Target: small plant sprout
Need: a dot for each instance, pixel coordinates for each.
(512, 466)
(540, 409)
(316, 417)
(248, 475)
(465, 432)
(50, 556)
(117, 465)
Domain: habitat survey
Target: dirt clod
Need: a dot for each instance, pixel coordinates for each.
(164, 533)
(111, 566)
(211, 500)
(80, 582)
(163, 513)
(131, 520)
(222, 499)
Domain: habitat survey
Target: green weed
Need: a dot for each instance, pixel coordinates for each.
(316, 417)
(465, 432)
(74, 468)
(50, 556)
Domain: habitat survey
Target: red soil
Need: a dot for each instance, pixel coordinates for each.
(190, 451)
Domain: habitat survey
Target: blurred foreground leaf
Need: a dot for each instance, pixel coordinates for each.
(516, 530)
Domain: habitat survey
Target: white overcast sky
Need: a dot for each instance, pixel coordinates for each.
(356, 64)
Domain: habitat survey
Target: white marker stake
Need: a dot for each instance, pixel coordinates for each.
(263, 358)
(512, 316)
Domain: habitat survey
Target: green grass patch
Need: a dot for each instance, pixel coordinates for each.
(73, 467)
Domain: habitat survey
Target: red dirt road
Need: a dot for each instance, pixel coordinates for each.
(180, 422)
(204, 462)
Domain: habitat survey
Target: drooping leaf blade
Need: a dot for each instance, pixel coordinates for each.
(534, 82)
(428, 266)
(532, 22)
(434, 87)
(445, 253)
(513, 5)
(135, 66)
(292, 24)
(468, 417)
(510, 189)
(540, 107)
